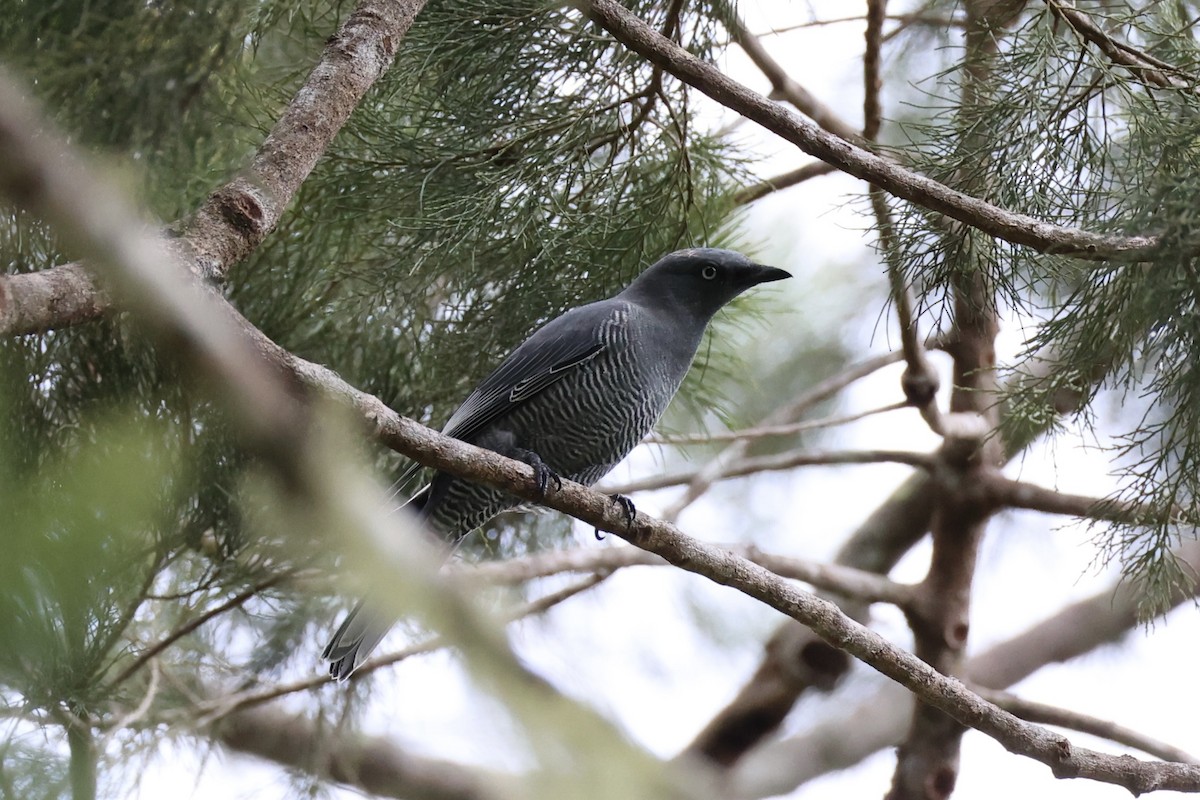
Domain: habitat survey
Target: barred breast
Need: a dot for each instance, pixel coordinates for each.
(584, 424)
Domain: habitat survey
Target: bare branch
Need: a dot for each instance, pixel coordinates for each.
(797, 176)
(375, 765)
(1018, 494)
(1013, 227)
(1045, 714)
(768, 431)
(777, 462)
(790, 412)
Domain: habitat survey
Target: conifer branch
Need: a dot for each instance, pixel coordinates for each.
(1079, 628)
(1139, 63)
(1010, 226)
(235, 219)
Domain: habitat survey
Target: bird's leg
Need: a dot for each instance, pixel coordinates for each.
(627, 506)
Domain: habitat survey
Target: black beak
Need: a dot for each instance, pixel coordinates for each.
(764, 274)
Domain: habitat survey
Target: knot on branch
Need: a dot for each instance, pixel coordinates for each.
(239, 206)
(920, 385)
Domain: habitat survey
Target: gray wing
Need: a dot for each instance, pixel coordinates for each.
(552, 352)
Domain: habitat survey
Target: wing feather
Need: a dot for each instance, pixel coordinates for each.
(552, 352)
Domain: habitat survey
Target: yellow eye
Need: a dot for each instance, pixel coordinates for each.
(709, 272)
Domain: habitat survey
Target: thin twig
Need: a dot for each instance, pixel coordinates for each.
(867, 586)
(143, 707)
(191, 625)
(905, 20)
(1045, 714)
(713, 471)
(778, 462)
(212, 710)
(813, 169)
(768, 431)
(920, 380)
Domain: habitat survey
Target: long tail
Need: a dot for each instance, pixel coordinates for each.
(364, 628)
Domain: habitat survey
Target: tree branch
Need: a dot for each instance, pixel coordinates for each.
(1007, 225)
(1044, 714)
(760, 190)
(235, 219)
(375, 765)
(768, 431)
(1140, 64)
(777, 462)
(879, 720)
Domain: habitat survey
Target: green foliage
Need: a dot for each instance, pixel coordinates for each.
(1059, 132)
(454, 214)
(83, 542)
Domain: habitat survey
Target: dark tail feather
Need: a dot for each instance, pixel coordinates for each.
(363, 629)
(358, 635)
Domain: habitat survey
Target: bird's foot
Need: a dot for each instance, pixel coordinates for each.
(542, 473)
(627, 506)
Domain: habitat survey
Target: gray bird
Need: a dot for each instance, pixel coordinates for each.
(574, 399)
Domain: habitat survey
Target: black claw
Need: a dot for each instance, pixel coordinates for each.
(630, 513)
(542, 475)
(627, 506)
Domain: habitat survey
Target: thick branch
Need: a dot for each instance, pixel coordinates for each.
(375, 765)
(1013, 227)
(878, 720)
(237, 217)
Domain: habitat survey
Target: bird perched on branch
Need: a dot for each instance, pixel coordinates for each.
(573, 399)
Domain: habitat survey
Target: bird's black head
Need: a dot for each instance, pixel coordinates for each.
(698, 282)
